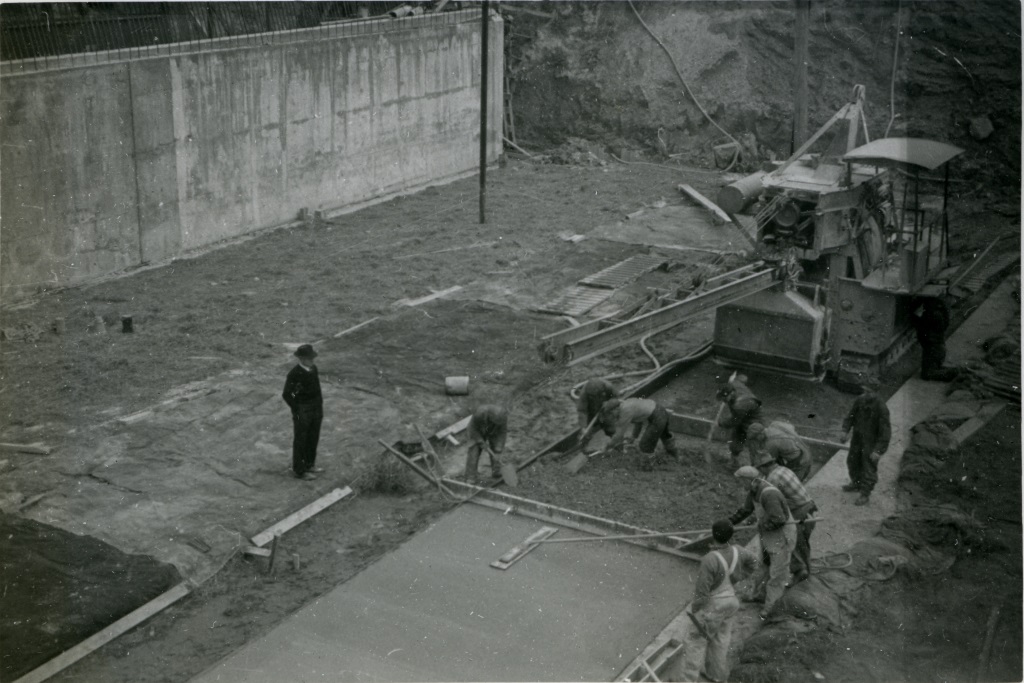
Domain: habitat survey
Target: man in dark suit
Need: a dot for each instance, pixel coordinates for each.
(302, 394)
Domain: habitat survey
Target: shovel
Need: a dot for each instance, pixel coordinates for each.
(714, 424)
(581, 459)
(508, 470)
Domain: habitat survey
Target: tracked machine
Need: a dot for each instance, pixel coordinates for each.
(849, 234)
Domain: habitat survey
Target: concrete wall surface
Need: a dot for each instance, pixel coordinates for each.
(106, 166)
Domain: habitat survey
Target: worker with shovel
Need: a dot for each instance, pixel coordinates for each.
(487, 430)
(647, 419)
(744, 410)
(708, 628)
(801, 506)
(592, 398)
(780, 440)
(777, 532)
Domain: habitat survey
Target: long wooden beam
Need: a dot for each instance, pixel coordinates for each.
(299, 516)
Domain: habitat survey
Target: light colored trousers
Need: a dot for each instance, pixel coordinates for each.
(707, 656)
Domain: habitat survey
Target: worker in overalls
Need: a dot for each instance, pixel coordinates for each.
(744, 410)
(777, 531)
(780, 440)
(707, 629)
(868, 420)
(593, 396)
(487, 429)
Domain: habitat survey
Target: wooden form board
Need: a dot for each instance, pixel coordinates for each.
(299, 516)
(98, 640)
(459, 426)
(35, 448)
(987, 413)
(520, 550)
(705, 202)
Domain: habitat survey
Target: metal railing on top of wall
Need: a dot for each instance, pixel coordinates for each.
(325, 30)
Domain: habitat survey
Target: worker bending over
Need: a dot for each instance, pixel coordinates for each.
(640, 415)
(869, 420)
(487, 429)
(588, 407)
(707, 629)
(744, 410)
(776, 530)
(783, 443)
(801, 506)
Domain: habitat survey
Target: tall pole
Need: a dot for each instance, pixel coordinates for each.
(803, 16)
(484, 21)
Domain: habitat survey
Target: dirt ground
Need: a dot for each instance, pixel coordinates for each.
(236, 309)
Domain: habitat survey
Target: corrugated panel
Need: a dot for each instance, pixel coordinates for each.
(576, 300)
(995, 265)
(623, 273)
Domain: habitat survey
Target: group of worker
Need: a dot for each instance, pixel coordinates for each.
(784, 512)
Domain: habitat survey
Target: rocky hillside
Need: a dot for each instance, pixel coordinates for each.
(591, 70)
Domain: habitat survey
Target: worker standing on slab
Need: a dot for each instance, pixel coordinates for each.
(776, 530)
(931, 320)
(781, 441)
(487, 429)
(869, 421)
(744, 410)
(801, 506)
(641, 415)
(707, 629)
(593, 396)
(302, 394)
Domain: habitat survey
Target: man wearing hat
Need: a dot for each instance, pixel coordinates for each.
(302, 394)
(707, 629)
(869, 421)
(639, 415)
(777, 532)
(588, 406)
(781, 441)
(801, 506)
(744, 410)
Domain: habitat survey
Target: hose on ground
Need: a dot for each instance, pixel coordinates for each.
(686, 87)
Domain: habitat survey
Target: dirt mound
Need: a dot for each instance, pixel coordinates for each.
(591, 70)
(61, 588)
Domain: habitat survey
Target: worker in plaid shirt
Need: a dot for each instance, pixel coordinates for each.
(801, 505)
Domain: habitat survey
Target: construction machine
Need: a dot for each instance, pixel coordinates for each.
(849, 233)
(858, 229)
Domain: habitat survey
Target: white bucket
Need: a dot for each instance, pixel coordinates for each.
(456, 386)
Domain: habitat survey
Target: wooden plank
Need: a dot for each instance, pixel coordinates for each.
(705, 202)
(98, 640)
(300, 516)
(520, 551)
(429, 297)
(356, 327)
(987, 413)
(258, 552)
(459, 426)
(681, 423)
(38, 448)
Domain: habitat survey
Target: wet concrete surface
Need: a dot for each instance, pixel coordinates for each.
(435, 610)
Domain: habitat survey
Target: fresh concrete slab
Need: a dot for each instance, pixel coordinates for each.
(434, 610)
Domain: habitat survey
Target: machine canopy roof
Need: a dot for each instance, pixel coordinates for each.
(913, 152)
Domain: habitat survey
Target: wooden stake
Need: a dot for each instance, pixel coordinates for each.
(273, 554)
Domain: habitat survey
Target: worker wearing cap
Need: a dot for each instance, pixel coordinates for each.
(593, 396)
(744, 410)
(640, 415)
(783, 443)
(801, 506)
(776, 530)
(487, 429)
(869, 421)
(302, 394)
(707, 630)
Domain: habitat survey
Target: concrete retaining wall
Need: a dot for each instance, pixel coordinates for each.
(111, 165)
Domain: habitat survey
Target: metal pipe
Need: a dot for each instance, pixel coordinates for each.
(485, 12)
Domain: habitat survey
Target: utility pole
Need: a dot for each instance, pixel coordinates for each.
(485, 17)
(803, 16)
